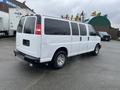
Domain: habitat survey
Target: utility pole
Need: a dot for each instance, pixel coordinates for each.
(82, 16)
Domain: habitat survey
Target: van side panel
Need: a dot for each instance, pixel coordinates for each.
(83, 38)
(75, 42)
(50, 43)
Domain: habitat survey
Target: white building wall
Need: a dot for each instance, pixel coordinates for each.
(9, 21)
(116, 26)
(15, 15)
(4, 21)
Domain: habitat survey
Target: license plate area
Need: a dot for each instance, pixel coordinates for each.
(26, 42)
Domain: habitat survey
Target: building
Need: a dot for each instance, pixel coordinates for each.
(10, 13)
(6, 4)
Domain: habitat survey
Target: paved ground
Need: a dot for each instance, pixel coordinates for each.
(82, 72)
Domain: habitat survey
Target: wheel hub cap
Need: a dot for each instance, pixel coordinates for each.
(61, 60)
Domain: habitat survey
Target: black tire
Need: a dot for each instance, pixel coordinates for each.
(107, 39)
(6, 33)
(59, 60)
(96, 50)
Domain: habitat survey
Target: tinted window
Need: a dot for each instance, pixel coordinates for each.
(20, 25)
(83, 30)
(38, 19)
(91, 30)
(75, 30)
(56, 27)
(29, 25)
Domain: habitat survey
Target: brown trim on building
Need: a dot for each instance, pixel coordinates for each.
(21, 5)
(5, 8)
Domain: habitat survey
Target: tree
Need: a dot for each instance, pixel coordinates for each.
(93, 13)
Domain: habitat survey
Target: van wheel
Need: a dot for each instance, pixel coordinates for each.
(96, 50)
(59, 60)
(6, 33)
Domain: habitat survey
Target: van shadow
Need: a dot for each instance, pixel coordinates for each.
(24, 66)
(37, 68)
(82, 59)
(2, 36)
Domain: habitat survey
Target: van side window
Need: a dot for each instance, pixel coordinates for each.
(83, 30)
(56, 27)
(20, 25)
(29, 25)
(92, 31)
(75, 30)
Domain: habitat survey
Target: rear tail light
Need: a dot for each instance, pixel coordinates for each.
(38, 29)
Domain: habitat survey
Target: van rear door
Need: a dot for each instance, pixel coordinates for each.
(29, 36)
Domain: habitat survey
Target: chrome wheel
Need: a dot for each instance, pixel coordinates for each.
(97, 50)
(61, 60)
(106, 39)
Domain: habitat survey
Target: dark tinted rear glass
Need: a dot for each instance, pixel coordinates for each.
(29, 25)
(83, 30)
(56, 27)
(38, 19)
(20, 25)
(75, 30)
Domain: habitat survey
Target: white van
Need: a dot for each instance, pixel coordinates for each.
(42, 39)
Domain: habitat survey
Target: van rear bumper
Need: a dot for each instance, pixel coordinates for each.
(26, 57)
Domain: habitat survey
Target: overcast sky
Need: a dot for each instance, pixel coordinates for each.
(62, 7)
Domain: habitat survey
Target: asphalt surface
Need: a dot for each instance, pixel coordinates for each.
(84, 72)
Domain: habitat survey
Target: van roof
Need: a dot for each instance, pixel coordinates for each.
(52, 17)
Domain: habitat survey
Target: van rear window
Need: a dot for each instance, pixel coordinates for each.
(29, 25)
(20, 25)
(56, 27)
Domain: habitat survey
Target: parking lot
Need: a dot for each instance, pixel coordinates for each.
(82, 72)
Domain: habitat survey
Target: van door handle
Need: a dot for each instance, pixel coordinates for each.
(80, 38)
(88, 38)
